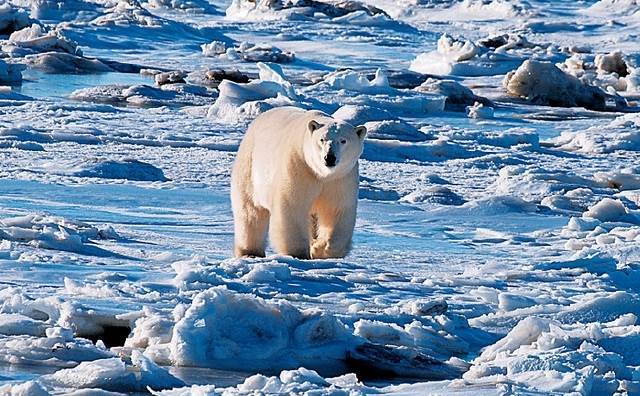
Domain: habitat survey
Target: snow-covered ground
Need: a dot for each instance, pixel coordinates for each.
(497, 246)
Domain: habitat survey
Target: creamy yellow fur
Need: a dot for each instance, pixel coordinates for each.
(281, 183)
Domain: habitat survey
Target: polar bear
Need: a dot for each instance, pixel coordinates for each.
(296, 175)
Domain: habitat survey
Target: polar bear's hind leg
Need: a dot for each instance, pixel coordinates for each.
(250, 230)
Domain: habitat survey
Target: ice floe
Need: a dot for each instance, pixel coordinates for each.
(544, 83)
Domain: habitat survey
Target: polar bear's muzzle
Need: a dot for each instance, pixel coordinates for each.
(330, 159)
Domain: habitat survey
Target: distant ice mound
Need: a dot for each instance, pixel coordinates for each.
(492, 56)
(348, 11)
(185, 5)
(354, 88)
(50, 51)
(615, 8)
(549, 356)
(621, 134)
(36, 39)
(12, 18)
(127, 169)
(440, 195)
(248, 52)
(479, 111)
(289, 382)
(166, 94)
(479, 10)
(544, 83)
(52, 10)
(127, 13)
(113, 374)
(240, 100)
(608, 71)
(458, 96)
(380, 123)
(49, 232)
(10, 73)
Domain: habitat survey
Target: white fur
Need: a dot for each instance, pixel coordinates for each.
(281, 182)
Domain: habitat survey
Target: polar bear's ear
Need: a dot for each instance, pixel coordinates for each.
(313, 125)
(361, 131)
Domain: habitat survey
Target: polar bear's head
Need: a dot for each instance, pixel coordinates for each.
(333, 147)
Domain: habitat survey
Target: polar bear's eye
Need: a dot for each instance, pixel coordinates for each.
(343, 141)
(321, 140)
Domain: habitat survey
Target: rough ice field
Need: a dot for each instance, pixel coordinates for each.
(497, 247)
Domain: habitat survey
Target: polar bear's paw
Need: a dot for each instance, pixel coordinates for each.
(320, 249)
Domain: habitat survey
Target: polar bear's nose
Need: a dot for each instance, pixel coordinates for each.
(330, 159)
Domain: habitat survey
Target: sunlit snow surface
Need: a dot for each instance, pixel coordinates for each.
(497, 246)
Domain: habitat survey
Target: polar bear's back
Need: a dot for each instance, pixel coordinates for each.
(282, 122)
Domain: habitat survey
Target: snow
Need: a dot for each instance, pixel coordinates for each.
(478, 110)
(35, 39)
(12, 18)
(494, 55)
(113, 374)
(544, 83)
(250, 52)
(246, 333)
(10, 74)
(239, 100)
(338, 12)
(497, 240)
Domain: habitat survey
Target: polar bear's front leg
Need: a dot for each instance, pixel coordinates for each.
(335, 231)
(289, 231)
(335, 210)
(289, 228)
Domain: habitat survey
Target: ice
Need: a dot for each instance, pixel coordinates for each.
(250, 334)
(458, 96)
(535, 354)
(166, 94)
(250, 52)
(186, 5)
(607, 210)
(61, 62)
(10, 74)
(544, 83)
(29, 388)
(615, 7)
(113, 374)
(339, 12)
(52, 350)
(12, 18)
(52, 232)
(300, 381)
(461, 57)
(128, 169)
(478, 110)
(351, 81)
(357, 90)
(35, 39)
(612, 63)
(240, 100)
(214, 48)
(436, 194)
(609, 71)
(15, 324)
(497, 239)
(126, 13)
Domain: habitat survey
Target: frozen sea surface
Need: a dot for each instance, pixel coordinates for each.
(497, 246)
